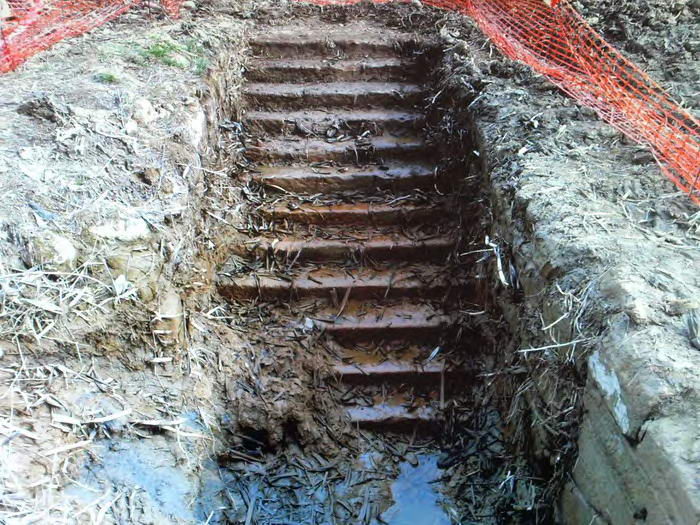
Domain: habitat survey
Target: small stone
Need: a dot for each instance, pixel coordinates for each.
(167, 186)
(125, 230)
(26, 154)
(150, 175)
(53, 251)
(189, 5)
(144, 113)
(131, 127)
(412, 459)
(168, 321)
(178, 60)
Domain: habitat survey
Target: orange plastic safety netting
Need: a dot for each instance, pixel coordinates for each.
(552, 39)
(30, 26)
(558, 43)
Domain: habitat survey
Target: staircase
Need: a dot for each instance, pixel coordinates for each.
(361, 229)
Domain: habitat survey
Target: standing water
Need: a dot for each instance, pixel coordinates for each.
(415, 499)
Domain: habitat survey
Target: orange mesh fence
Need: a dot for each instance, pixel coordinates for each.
(554, 40)
(30, 26)
(557, 43)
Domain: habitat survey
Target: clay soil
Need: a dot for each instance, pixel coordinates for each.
(133, 393)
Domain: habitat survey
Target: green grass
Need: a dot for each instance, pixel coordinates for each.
(201, 64)
(162, 49)
(106, 78)
(189, 55)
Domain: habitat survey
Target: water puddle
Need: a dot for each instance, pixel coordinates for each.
(415, 497)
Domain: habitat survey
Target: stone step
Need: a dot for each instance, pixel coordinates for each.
(335, 284)
(388, 417)
(322, 122)
(359, 214)
(377, 248)
(404, 321)
(332, 42)
(394, 371)
(269, 96)
(329, 180)
(374, 149)
(331, 70)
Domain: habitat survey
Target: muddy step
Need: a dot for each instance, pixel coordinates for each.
(394, 371)
(320, 123)
(374, 149)
(368, 322)
(377, 248)
(390, 417)
(325, 70)
(350, 42)
(337, 284)
(307, 180)
(360, 214)
(270, 96)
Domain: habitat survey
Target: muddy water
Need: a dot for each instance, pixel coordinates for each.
(416, 499)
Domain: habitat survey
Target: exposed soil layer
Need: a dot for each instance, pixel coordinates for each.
(154, 355)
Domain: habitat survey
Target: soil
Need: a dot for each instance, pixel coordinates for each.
(120, 156)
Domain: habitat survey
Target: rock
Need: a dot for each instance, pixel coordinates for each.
(189, 5)
(167, 323)
(131, 127)
(412, 459)
(125, 230)
(150, 175)
(144, 113)
(178, 60)
(142, 268)
(55, 252)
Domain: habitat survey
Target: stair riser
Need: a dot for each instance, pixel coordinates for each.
(353, 127)
(331, 72)
(338, 48)
(243, 292)
(327, 254)
(360, 99)
(417, 333)
(361, 217)
(318, 183)
(345, 152)
(400, 426)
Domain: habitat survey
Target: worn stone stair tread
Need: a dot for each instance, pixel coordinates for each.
(389, 369)
(317, 121)
(306, 179)
(367, 321)
(378, 247)
(358, 32)
(318, 150)
(350, 41)
(389, 415)
(410, 281)
(359, 213)
(267, 95)
(330, 70)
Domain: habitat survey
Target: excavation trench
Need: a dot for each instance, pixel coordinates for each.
(339, 320)
(362, 281)
(337, 265)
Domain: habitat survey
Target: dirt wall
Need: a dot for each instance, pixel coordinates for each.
(601, 288)
(106, 251)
